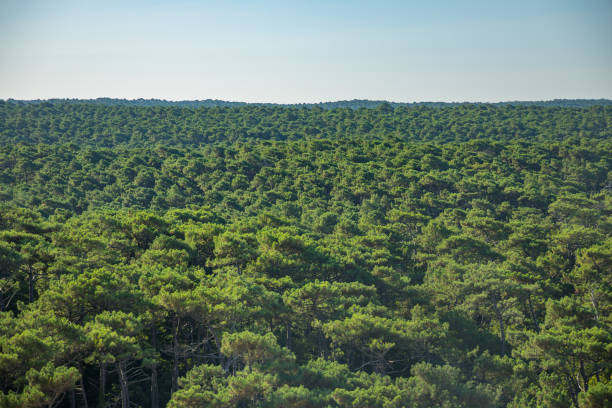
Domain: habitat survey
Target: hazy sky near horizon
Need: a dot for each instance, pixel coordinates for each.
(307, 51)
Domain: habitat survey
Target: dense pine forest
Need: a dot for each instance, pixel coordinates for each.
(353, 104)
(269, 256)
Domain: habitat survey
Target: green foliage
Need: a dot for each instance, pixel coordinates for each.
(266, 256)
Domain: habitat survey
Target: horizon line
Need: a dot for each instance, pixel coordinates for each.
(300, 103)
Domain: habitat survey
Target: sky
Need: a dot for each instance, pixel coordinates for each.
(306, 51)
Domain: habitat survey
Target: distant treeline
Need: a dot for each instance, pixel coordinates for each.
(352, 104)
(133, 126)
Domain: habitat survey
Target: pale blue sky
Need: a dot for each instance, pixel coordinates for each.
(307, 51)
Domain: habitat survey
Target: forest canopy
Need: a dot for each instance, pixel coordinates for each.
(269, 256)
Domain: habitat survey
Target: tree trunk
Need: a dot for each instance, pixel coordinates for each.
(102, 390)
(200, 345)
(536, 326)
(30, 284)
(125, 396)
(154, 385)
(175, 370)
(572, 390)
(83, 392)
(585, 378)
(594, 302)
(57, 399)
(502, 329)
